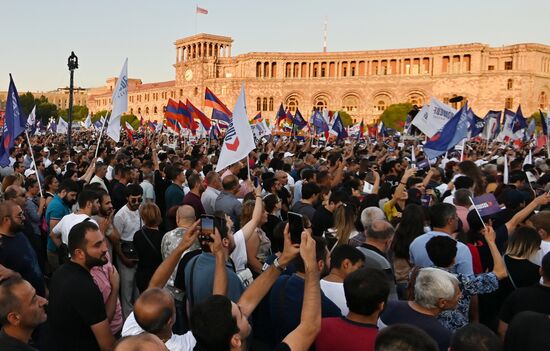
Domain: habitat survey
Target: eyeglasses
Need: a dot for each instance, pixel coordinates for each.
(136, 200)
(20, 215)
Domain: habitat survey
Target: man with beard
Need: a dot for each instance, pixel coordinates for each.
(104, 219)
(88, 202)
(16, 253)
(59, 207)
(127, 222)
(77, 318)
(21, 311)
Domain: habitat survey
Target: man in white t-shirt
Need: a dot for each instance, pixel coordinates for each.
(88, 202)
(344, 260)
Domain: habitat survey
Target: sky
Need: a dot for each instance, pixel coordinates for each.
(39, 35)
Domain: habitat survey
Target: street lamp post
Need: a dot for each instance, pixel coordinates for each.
(73, 64)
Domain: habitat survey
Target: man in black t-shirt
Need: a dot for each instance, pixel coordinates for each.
(21, 311)
(77, 319)
(323, 218)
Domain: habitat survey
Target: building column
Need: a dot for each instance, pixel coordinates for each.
(229, 51)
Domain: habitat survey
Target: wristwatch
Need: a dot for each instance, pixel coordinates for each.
(277, 265)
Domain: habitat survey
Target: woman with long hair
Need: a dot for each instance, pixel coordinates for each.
(410, 227)
(523, 244)
(51, 185)
(258, 247)
(470, 169)
(344, 223)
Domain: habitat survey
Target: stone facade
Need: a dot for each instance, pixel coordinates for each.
(363, 83)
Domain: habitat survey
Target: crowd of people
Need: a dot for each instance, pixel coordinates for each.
(107, 249)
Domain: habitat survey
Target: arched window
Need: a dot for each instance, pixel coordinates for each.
(381, 102)
(258, 69)
(350, 104)
(258, 104)
(264, 105)
(292, 104)
(417, 99)
(270, 104)
(509, 84)
(139, 110)
(380, 105)
(543, 100)
(155, 110)
(131, 111)
(147, 110)
(181, 92)
(509, 103)
(320, 102)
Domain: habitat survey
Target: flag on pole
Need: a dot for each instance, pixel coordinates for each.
(319, 123)
(239, 140)
(452, 133)
(219, 110)
(543, 123)
(120, 103)
(62, 126)
(361, 129)
(281, 115)
(215, 132)
(129, 131)
(197, 114)
(260, 129)
(492, 125)
(299, 121)
(530, 131)
(202, 11)
(31, 121)
(257, 118)
(12, 124)
(477, 124)
(338, 128)
(88, 121)
(431, 118)
(507, 122)
(519, 121)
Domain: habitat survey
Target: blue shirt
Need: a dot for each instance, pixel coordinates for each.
(56, 210)
(203, 267)
(419, 255)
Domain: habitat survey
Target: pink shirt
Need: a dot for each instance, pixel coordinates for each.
(101, 279)
(462, 213)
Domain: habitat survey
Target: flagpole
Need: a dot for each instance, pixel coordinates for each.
(462, 151)
(196, 5)
(34, 163)
(100, 134)
(477, 211)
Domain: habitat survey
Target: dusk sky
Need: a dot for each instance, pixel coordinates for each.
(38, 36)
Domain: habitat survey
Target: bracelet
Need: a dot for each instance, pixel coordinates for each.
(258, 195)
(277, 265)
(402, 183)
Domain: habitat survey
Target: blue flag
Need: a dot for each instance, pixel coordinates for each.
(383, 131)
(530, 131)
(519, 121)
(319, 122)
(543, 123)
(12, 124)
(476, 124)
(338, 127)
(298, 120)
(452, 133)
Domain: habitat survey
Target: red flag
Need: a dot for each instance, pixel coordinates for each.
(541, 140)
(202, 11)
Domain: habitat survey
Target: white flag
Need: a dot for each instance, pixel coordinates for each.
(239, 140)
(62, 126)
(431, 118)
(529, 159)
(261, 129)
(31, 121)
(88, 121)
(120, 103)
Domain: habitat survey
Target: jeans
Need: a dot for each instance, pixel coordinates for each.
(128, 288)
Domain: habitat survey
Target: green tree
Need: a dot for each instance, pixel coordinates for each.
(346, 118)
(45, 110)
(395, 115)
(79, 113)
(536, 116)
(97, 116)
(132, 119)
(27, 102)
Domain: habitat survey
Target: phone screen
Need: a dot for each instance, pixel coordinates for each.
(296, 227)
(207, 225)
(426, 200)
(256, 182)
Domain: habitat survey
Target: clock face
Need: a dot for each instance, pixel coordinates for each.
(188, 75)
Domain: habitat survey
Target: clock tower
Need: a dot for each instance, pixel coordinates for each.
(197, 60)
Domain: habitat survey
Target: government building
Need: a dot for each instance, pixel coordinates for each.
(363, 83)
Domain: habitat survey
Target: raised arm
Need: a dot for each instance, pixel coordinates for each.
(254, 222)
(220, 272)
(261, 285)
(301, 338)
(523, 214)
(163, 272)
(499, 269)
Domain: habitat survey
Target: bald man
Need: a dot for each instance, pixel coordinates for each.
(379, 234)
(141, 342)
(155, 313)
(185, 216)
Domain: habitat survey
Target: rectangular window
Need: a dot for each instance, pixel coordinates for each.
(508, 65)
(509, 103)
(491, 68)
